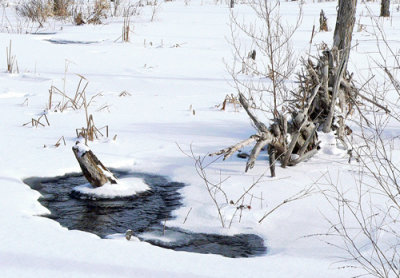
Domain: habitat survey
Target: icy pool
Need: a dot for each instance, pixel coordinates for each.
(144, 214)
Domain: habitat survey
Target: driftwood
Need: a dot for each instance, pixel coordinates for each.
(92, 168)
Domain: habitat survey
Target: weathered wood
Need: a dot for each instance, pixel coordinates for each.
(272, 160)
(339, 74)
(303, 157)
(308, 140)
(260, 126)
(345, 20)
(311, 99)
(255, 152)
(232, 149)
(289, 151)
(92, 168)
(325, 78)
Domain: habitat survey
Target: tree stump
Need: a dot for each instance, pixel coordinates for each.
(92, 168)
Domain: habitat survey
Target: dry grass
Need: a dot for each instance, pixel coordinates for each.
(60, 100)
(230, 99)
(124, 94)
(12, 66)
(38, 122)
(91, 132)
(59, 142)
(126, 29)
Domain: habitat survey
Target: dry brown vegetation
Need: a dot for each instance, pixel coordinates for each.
(12, 66)
(40, 10)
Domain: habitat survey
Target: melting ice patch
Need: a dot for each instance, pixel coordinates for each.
(124, 188)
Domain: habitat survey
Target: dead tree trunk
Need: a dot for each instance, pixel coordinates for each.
(341, 42)
(345, 20)
(385, 8)
(92, 168)
(232, 4)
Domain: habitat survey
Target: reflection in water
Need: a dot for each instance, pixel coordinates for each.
(142, 213)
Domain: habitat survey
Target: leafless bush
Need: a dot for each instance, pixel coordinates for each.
(40, 10)
(367, 216)
(324, 88)
(36, 10)
(228, 209)
(367, 220)
(271, 57)
(99, 12)
(126, 8)
(62, 8)
(155, 6)
(92, 13)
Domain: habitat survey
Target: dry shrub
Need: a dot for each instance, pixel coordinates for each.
(93, 13)
(40, 10)
(36, 10)
(62, 8)
(12, 65)
(78, 19)
(99, 12)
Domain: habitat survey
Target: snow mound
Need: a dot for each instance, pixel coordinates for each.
(124, 188)
(330, 145)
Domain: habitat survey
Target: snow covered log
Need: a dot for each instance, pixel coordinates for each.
(92, 168)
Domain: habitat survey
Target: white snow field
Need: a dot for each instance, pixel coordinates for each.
(174, 75)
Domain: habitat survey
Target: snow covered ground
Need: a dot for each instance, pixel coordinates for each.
(174, 74)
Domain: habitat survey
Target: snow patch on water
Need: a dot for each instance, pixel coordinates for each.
(124, 188)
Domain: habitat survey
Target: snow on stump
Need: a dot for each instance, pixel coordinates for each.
(92, 168)
(102, 183)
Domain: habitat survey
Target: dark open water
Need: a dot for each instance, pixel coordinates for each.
(144, 214)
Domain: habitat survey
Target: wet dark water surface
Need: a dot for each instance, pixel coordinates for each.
(144, 214)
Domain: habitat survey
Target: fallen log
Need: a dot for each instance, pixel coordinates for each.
(92, 168)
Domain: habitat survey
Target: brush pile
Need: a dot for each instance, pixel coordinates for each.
(325, 98)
